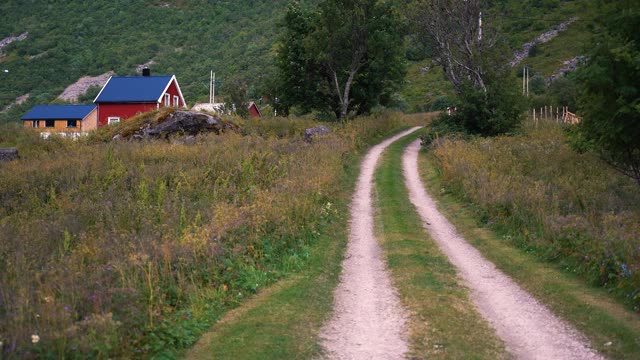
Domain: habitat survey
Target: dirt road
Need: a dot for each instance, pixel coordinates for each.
(368, 320)
(529, 329)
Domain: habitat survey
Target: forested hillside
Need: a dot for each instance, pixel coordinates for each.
(66, 40)
(70, 39)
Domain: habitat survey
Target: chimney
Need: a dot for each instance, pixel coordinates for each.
(146, 71)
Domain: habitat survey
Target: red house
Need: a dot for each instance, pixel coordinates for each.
(123, 97)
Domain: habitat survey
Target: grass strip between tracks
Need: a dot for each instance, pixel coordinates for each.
(443, 322)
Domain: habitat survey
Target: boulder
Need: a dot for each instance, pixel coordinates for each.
(8, 154)
(181, 122)
(316, 130)
(188, 140)
(185, 122)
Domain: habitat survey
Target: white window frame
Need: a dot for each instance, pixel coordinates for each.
(113, 120)
(167, 100)
(176, 101)
(35, 123)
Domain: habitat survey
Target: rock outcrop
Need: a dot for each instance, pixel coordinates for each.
(314, 131)
(80, 87)
(520, 55)
(8, 40)
(8, 154)
(567, 67)
(188, 123)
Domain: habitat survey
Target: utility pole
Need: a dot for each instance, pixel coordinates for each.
(212, 88)
(480, 27)
(527, 81)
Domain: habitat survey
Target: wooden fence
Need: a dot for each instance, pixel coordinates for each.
(555, 114)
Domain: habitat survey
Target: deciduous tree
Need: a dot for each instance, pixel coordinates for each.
(609, 88)
(474, 58)
(346, 55)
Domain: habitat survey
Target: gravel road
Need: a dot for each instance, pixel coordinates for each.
(368, 320)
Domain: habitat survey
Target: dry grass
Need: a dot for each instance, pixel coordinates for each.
(116, 249)
(569, 208)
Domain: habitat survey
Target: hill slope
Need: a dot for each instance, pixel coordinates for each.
(68, 40)
(63, 41)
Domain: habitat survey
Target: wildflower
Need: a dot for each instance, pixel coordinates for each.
(35, 338)
(626, 272)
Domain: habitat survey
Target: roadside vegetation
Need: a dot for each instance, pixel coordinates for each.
(561, 224)
(569, 208)
(133, 249)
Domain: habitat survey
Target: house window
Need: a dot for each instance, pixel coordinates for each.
(35, 123)
(176, 101)
(113, 120)
(72, 123)
(49, 123)
(167, 100)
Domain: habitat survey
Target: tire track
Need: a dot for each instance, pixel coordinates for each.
(368, 320)
(528, 328)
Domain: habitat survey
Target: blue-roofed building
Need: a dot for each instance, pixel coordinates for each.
(64, 119)
(123, 97)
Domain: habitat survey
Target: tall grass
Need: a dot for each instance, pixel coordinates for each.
(129, 249)
(569, 208)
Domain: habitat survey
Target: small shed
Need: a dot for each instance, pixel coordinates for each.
(62, 118)
(254, 110)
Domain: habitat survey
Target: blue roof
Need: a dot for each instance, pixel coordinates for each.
(64, 112)
(133, 89)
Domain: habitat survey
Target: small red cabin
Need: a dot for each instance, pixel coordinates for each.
(254, 110)
(123, 97)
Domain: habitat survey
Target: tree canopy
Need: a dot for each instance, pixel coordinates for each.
(343, 56)
(609, 88)
(474, 58)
